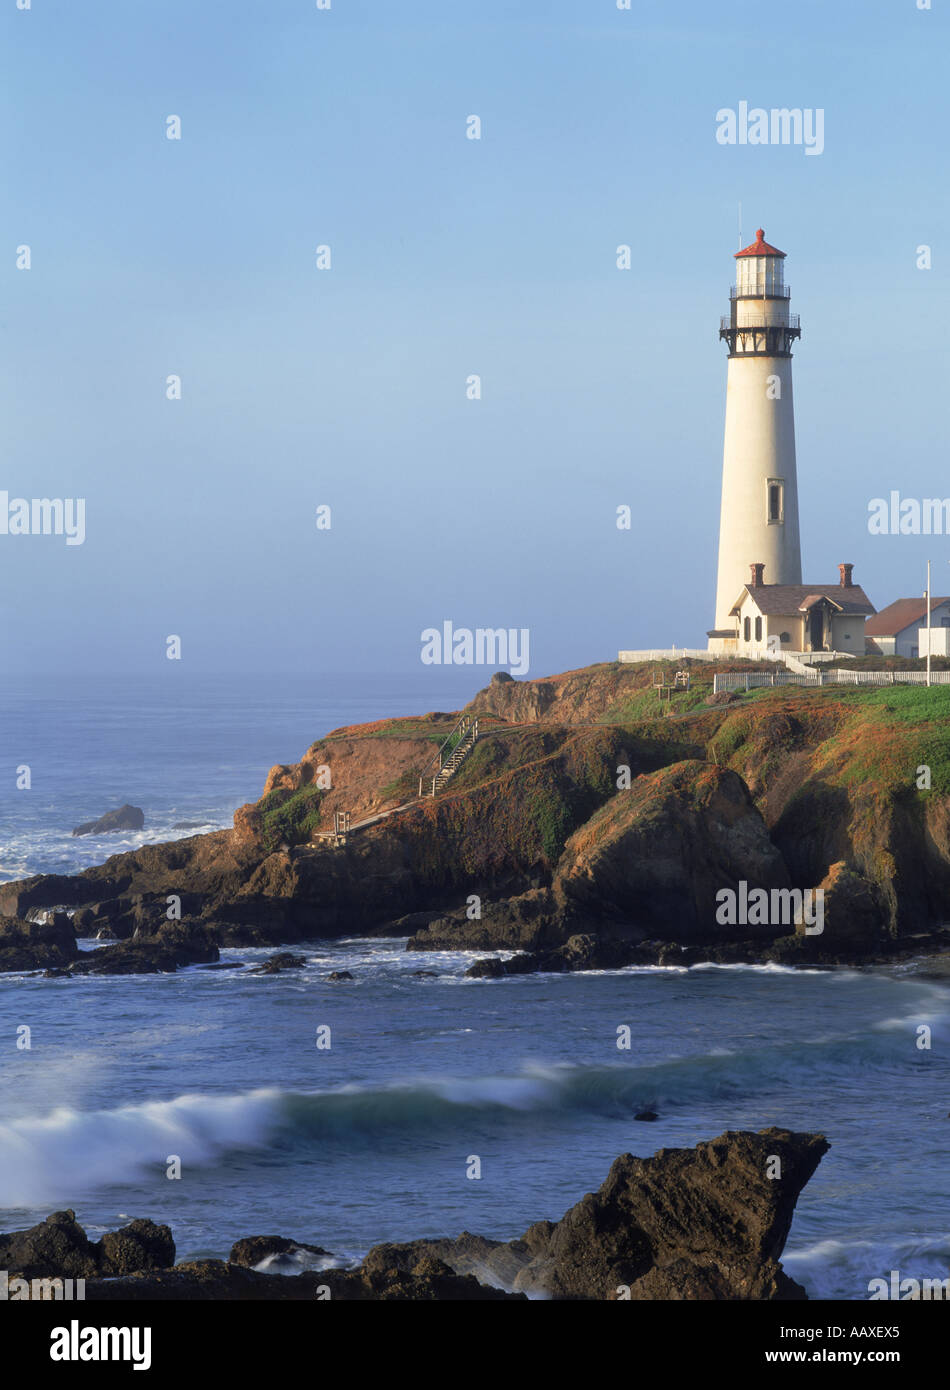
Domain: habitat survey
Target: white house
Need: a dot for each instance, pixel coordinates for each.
(798, 617)
(895, 630)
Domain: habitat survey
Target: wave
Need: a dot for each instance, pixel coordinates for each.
(45, 1158)
(835, 1268)
(69, 1150)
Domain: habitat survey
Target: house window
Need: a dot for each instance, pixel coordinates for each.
(758, 629)
(775, 495)
(747, 628)
(785, 638)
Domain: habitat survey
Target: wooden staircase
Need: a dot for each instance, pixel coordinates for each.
(450, 757)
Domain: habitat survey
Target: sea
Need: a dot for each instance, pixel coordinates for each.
(400, 1104)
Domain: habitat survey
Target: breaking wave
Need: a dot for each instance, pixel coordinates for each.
(46, 1158)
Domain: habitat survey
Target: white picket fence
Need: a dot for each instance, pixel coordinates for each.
(753, 680)
(670, 654)
(795, 661)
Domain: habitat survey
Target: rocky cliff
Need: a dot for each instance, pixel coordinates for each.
(587, 809)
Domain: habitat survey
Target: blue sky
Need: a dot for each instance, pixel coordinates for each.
(449, 257)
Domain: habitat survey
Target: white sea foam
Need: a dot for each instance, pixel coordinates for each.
(44, 1159)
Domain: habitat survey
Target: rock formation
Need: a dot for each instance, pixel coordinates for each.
(125, 818)
(58, 1248)
(579, 813)
(703, 1223)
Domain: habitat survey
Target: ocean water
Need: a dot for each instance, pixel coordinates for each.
(372, 1139)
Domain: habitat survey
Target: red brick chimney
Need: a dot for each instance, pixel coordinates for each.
(757, 573)
(846, 580)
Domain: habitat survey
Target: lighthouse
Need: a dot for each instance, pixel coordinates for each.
(758, 520)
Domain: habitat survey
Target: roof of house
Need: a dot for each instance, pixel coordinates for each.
(760, 247)
(903, 612)
(812, 599)
(789, 600)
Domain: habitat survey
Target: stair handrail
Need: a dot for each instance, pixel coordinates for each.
(466, 724)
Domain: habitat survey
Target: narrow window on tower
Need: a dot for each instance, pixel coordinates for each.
(775, 492)
(758, 629)
(747, 628)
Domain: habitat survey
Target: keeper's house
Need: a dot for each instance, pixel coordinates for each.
(801, 617)
(895, 630)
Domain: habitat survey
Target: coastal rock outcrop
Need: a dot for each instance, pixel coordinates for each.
(58, 1248)
(279, 1254)
(123, 818)
(851, 910)
(657, 855)
(540, 825)
(173, 945)
(650, 863)
(428, 1281)
(26, 945)
(702, 1223)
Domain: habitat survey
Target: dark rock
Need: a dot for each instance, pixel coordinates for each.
(851, 911)
(125, 818)
(188, 824)
(140, 1245)
(281, 1253)
(491, 968)
(339, 975)
(658, 854)
(703, 1223)
(528, 921)
(175, 944)
(411, 922)
(58, 1248)
(283, 960)
(213, 1280)
(37, 945)
(426, 974)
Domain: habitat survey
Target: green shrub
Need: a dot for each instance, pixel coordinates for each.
(289, 816)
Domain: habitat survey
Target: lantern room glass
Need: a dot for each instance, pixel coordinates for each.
(760, 275)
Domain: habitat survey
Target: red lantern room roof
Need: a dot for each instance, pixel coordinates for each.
(760, 247)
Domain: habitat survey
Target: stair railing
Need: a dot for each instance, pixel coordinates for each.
(466, 727)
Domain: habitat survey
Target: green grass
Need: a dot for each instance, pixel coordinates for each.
(894, 732)
(290, 817)
(552, 820)
(646, 703)
(908, 704)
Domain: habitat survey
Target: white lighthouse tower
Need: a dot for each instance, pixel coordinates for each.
(758, 521)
